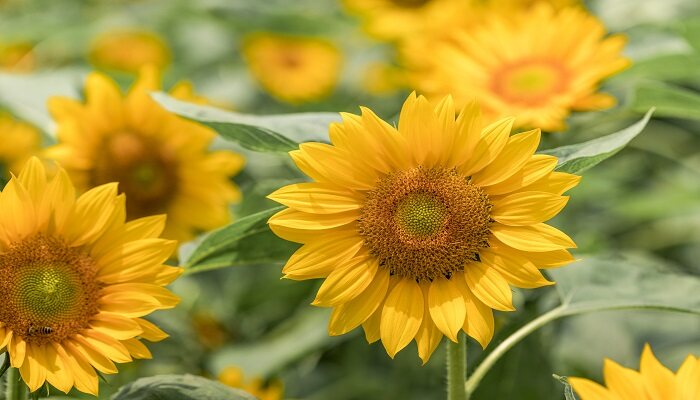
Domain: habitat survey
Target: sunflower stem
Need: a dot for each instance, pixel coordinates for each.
(457, 368)
(15, 389)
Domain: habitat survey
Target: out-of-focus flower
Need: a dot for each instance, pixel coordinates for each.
(129, 51)
(539, 65)
(293, 69)
(382, 78)
(233, 377)
(652, 382)
(18, 142)
(420, 231)
(211, 333)
(76, 280)
(161, 161)
(17, 56)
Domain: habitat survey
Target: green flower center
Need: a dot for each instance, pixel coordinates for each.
(48, 292)
(421, 214)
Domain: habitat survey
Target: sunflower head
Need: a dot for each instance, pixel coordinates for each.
(420, 230)
(162, 162)
(653, 381)
(18, 142)
(514, 67)
(76, 280)
(129, 51)
(293, 69)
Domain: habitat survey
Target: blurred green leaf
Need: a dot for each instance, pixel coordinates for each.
(244, 242)
(690, 30)
(178, 387)
(270, 133)
(669, 100)
(577, 158)
(568, 391)
(665, 67)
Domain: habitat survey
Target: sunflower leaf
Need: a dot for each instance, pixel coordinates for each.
(577, 158)
(568, 391)
(178, 387)
(246, 241)
(268, 133)
(669, 100)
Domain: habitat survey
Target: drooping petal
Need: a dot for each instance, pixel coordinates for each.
(428, 336)
(534, 238)
(489, 286)
(402, 315)
(527, 208)
(347, 282)
(348, 316)
(447, 306)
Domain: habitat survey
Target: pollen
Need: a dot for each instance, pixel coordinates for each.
(50, 290)
(425, 223)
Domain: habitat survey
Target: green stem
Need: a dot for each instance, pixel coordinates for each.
(456, 368)
(15, 389)
(507, 344)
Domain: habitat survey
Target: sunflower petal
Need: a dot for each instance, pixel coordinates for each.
(402, 315)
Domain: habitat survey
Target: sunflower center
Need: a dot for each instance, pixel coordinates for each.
(531, 82)
(145, 172)
(410, 3)
(50, 289)
(425, 223)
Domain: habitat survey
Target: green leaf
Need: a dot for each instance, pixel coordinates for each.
(271, 133)
(568, 390)
(665, 67)
(246, 241)
(669, 100)
(178, 387)
(577, 158)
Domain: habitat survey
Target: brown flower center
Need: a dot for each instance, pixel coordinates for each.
(49, 290)
(425, 223)
(145, 170)
(410, 3)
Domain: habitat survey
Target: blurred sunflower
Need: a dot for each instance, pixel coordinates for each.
(293, 69)
(129, 51)
(233, 377)
(76, 280)
(161, 161)
(17, 57)
(418, 231)
(18, 142)
(539, 65)
(652, 382)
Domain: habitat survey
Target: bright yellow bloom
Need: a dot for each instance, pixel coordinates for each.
(382, 78)
(539, 65)
(76, 280)
(17, 57)
(161, 161)
(419, 231)
(18, 142)
(293, 69)
(652, 382)
(129, 51)
(233, 377)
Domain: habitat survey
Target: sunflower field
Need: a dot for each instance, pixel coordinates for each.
(350, 199)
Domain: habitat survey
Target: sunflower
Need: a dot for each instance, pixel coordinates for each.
(652, 382)
(293, 69)
(18, 142)
(539, 64)
(129, 51)
(76, 280)
(17, 56)
(419, 231)
(161, 161)
(233, 377)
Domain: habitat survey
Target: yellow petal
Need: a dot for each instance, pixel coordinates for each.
(107, 345)
(516, 153)
(317, 198)
(150, 331)
(493, 139)
(101, 362)
(84, 376)
(391, 141)
(624, 382)
(17, 212)
(518, 270)
(536, 168)
(447, 306)
(319, 258)
(58, 201)
(372, 324)
(556, 182)
(115, 325)
(91, 215)
(63, 379)
(163, 296)
(17, 348)
(402, 315)
(104, 97)
(688, 379)
(33, 371)
(660, 381)
(489, 286)
(33, 179)
(535, 238)
(428, 336)
(350, 315)
(133, 259)
(137, 349)
(347, 281)
(294, 219)
(57, 373)
(589, 390)
(479, 322)
(325, 163)
(467, 134)
(527, 208)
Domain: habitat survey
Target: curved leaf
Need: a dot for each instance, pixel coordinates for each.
(178, 387)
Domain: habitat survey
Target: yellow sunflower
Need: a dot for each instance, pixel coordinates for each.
(129, 51)
(539, 65)
(652, 382)
(17, 57)
(233, 377)
(161, 161)
(293, 69)
(18, 142)
(76, 280)
(419, 231)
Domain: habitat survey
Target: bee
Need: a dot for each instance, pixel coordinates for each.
(38, 331)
